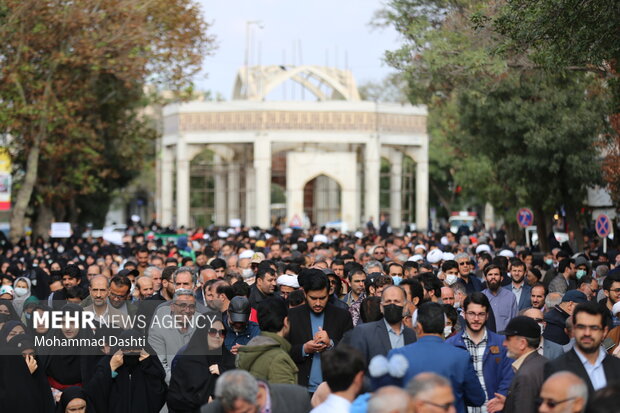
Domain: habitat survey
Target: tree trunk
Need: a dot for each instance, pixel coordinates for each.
(45, 216)
(18, 212)
(573, 225)
(540, 219)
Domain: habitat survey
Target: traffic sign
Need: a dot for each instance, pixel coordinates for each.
(525, 217)
(295, 222)
(603, 226)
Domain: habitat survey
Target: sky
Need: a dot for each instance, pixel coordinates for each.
(335, 32)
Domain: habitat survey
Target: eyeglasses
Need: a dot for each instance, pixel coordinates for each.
(462, 263)
(584, 327)
(117, 296)
(475, 315)
(445, 407)
(552, 403)
(615, 290)
(214, 332)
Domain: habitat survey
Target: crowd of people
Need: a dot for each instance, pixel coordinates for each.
(314, 320)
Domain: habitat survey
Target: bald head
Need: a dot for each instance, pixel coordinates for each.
(534, 313)
(393, 293)
(99, 281)
(447, 295)
(564, 386)
(389, 399)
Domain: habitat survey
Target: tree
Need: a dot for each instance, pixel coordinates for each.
(56, 56)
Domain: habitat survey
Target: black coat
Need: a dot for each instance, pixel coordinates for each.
(526, 385)
(556, 323)
(570, 361)
(372, 339)
(336, 322)
(142, 390)
(21, 391)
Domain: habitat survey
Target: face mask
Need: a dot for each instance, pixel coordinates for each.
(397, 280)
(20, 291)
(132, 289)
(549, 261)
(28, 316)
(4, 318)
(542, 328)
(247, 273)
(456, 304)
(60, 249)
(447, 330)
(393, 313)
(451, 279)
(580, 274)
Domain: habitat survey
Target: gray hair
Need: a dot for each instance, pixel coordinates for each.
(458, 288)
(577, 388)
(181, 292)
(148, 271)
(553, 299)
(388, 399)
(180, 270)
(234, 385)
(462, 255)
(425, 382)
(373, 263)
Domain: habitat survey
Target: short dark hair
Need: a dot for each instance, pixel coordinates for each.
(271, 314)
(451, 313)
(72, 271)
(564, 264)
(226, 289)
(218, 263)
(394, 264)
(539, 284)
(410, 264)
(492, 267)
(477, 298)
(515, 262)
(314, 280)
(120, 281)
(355, 271)
(415, 288)
(592, 309)
(340, 366)
(166, 273)
(185, 260)
(609, 280)
(241, 288)
(370, 309)
(264, 270)
(431, 318)
(296, 298)
(431, 283)
(448, 265)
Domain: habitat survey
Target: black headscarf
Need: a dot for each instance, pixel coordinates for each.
(6, 330)
(12, 313)
(71, 393)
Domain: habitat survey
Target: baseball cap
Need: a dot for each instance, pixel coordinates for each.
(522, 326)
(125, 273)
(239, 310)
(575, 296)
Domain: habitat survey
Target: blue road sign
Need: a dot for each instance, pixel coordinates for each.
(603, 226)
(525, 217)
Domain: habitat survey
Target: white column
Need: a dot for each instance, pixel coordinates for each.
(233, 190)
(372, 160)
(396, 179)
(250, 199)
(220, 191)
(421, 188)
(182, 184)
(262, 169)
(165, 203)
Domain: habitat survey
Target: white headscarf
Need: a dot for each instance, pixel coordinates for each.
(18, 302)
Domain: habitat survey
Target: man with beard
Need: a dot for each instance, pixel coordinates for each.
(538, 295)
(588, 359)
(518, 286)
(502, 301)
(119, 295)
(105, 313)
(379, 337)
(239, 329)
(522, 339)
(492, 365)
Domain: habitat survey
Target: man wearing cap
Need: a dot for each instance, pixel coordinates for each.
(556, 317)
(239, 329)
(287, 283)
(588, 359)
(502, 301)
(466, 277)
(434, 258)
(565, 280)
(522, 339)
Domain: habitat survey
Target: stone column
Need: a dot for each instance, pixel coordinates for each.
(372, 160)
(250, 198)
(262, 169)
(220, 191)
(182, 184)
(233, 191)
(421, 188)
(396, 180)
(165, 203)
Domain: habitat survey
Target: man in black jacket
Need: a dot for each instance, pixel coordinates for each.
(316, 327)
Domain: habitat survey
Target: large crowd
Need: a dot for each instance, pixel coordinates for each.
(292, 320)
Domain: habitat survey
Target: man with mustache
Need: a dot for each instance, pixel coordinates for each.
(503, 302)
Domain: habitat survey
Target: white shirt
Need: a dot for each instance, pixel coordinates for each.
(595, 371)
(333, 404)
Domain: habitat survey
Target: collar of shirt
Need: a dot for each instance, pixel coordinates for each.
(390, 329)
(267, 407)
(517, 289)
(518, 362)
(483, 340)
(584, 360)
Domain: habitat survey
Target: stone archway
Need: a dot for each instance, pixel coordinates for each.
(303, 167)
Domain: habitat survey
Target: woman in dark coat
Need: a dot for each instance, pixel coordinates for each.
(128, 380)
(74, 398)
(196, 370)
(23, 383)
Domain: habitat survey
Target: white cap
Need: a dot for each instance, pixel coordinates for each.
(267, 236)
(6, 289)
(206, 236)
(506, 253)
(434, 256)
(287, 231)
(288, 280)
(444, 240)
(222, 234)
(246, 254)
(252, 233)
(416, 258)
(320, 238)
(415, 247)
(447, 256)
(483, 248)
(359, 234)
(615, 309)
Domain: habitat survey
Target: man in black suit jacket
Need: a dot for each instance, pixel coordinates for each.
(237, 389)
(315, 327)
(373, 338)
(589, 329)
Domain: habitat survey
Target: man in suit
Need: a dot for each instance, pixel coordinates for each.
(565, 280)
(238, 390)
(489, 357)
(379, 337)
(430, 354)
(547, 348)
(522, 340)
(316, 326)
(518, 286)
(588, 359)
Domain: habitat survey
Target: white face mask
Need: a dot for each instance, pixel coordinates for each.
(456, 304)
(247, 273)
(20, 291)
(451, 279)
(447, 330)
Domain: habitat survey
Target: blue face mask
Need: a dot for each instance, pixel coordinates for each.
(549, 261)
(580, 274)
(397, 280)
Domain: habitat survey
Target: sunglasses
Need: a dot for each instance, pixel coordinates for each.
(552, 403)
(213, 332)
